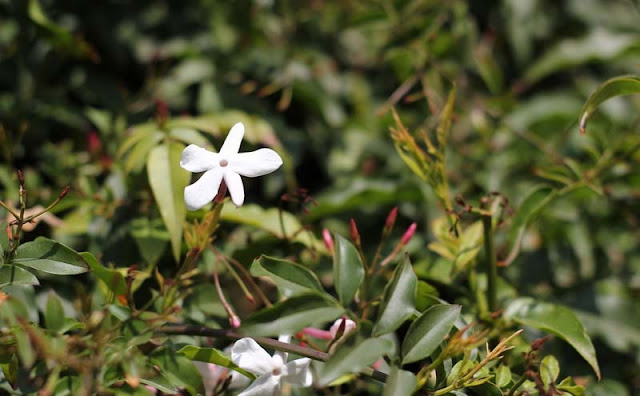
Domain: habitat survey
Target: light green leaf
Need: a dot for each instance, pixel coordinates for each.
(351, 358)
(189, 136)
(348, 270)
(617, 86)
(54, 313)
(556, 319)
(49, 256)
(14, 275)
(212, 355)
(151, 238)
(139, 154)
(549, 370)
(503, 376)
(398, 301)
(428, 331)
(291, 315)
(400, 382)
(113, 279)
(291, 278)
(168, 180)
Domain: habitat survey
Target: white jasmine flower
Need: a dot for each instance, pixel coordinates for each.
(271, 370)
(227, 165)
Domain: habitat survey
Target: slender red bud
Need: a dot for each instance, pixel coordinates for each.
(328, 241)
(391, 218)
(408, 234)
(65, 191)
(355, 235)
(21, 178)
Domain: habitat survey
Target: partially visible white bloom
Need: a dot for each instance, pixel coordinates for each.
(271, 370)
(212, 375)
(349, 326)
(227, 165)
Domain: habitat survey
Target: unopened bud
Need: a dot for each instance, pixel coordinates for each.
(391, 218)
(234, 321)
(408, 234)
(328, 241)
(65, 191)
(355, 235)
(21, 178)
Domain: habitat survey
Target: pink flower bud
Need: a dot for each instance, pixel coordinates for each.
(408, 234)
(234, 321)
(328, 241)
(348, 326)
(391, 218)
(355, 235)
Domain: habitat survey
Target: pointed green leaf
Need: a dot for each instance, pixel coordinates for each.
(352, 357)
(14, 275)
(617, 86)
(555, 319)
(291, 278)
(212, 355)
(400, 382)
(168, 180)
(348, 270)
(398, 300)
(291, 315)
(112, 278)
(49, 256)
(428, 331)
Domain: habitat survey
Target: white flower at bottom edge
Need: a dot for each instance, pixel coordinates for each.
(227, 164)
(271, 370)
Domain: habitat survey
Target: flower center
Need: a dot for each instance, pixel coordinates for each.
(224, 163)
(276, 370)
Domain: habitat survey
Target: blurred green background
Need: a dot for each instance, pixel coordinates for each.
(317, 79)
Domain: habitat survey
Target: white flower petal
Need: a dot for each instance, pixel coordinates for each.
(197, 159)
(265, 385)
(256, 163)
(282, 356)
(234, 185)
(203, 190)
(349, 326)
(247, 354)
(298, 372)
(231, 144)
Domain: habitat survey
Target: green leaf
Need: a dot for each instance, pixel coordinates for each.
(212, 355)
(179, 370)
(535, 200)
(555, 319)
(570, 387)
(398, 299)
(168, 180)
(113, 279)
(617, 86)
(291, 278)
(400, 382)
(348, 270)
(281, 224)
(291, 315)
(549, 370)
(49, 256)
(503, 376)
(54, 313)
(14, 275)
(351, 357)
(428, 331)
(151, 238)
(189, 136)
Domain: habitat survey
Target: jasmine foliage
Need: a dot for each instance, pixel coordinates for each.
(429, 217)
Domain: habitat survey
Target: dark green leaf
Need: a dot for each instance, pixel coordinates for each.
(348, 270)
(617, 86)
(291, 315)
(49, 256)
(428, 331)
(168, 180)
(400, 382)
(556, 319)
(212, 355)
(398, 300)
(14, 275)
(351, 358)
(291, 278)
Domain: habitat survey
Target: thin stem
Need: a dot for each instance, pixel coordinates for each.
(515, 387)
(490, 263)
(268, 342)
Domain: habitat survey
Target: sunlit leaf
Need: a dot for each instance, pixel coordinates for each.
(168, 180)
(556, 319)
(14, 275)
(214, 356)
(49, 256)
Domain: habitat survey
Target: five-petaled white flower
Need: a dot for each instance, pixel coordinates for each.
(227, 164)
(271, 370)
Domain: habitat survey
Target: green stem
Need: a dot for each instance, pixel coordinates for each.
(490, 263)
(515, 387)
